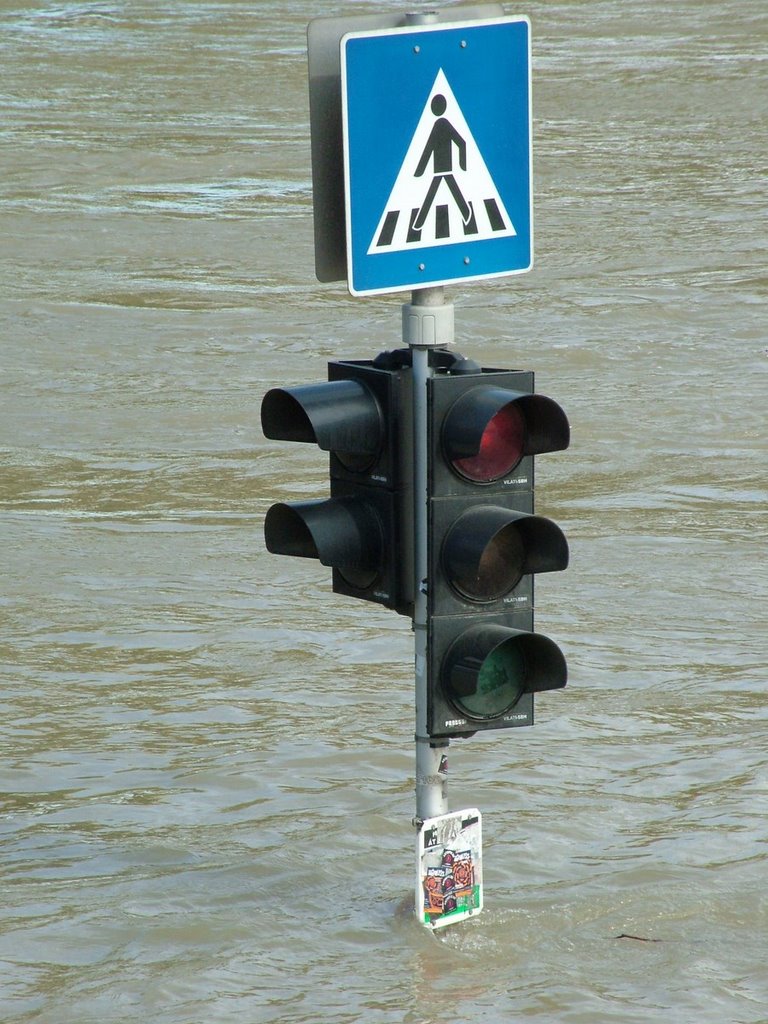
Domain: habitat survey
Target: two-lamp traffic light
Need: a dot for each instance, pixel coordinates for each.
(484, 542)
(356, 416)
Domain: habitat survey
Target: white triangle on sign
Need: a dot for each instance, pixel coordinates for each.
(443, 192)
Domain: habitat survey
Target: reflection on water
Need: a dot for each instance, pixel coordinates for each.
(207, 760)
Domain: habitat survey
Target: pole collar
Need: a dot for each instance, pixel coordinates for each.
(428, 326)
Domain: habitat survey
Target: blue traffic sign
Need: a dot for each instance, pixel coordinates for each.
(437, 154)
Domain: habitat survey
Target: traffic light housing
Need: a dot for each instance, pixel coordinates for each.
(359, 416)
(484, 541)
(485, 544)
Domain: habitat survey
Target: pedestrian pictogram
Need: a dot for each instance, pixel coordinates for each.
(444, 192)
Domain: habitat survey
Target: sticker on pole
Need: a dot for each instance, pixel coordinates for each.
(449, 884)
(437, 154)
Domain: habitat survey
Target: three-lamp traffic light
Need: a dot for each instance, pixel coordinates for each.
(485, 545)
(484, 542)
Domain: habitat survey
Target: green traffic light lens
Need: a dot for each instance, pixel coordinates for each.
(500, 683)
(487, 688)
(500, 450)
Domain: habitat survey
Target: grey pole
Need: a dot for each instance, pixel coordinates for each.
(427, 323)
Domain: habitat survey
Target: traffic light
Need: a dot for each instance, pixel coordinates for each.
(359, 415)
(485, 544)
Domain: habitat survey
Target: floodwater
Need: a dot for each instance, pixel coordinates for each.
(207, 756)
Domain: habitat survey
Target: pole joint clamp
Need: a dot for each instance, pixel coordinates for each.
(428, 326)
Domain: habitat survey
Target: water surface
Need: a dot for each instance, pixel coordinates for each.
(207, 764)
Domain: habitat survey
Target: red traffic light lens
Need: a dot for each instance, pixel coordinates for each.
(501, 447)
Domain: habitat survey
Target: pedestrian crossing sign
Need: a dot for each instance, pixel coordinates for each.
(437, 154)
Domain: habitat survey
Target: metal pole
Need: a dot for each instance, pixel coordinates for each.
(427, 323)
(425, 18)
